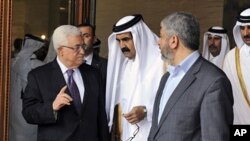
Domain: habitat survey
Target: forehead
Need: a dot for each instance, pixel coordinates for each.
(163, 31)
(76, 39)
(123, 35)
(86, 29)
(215, 36)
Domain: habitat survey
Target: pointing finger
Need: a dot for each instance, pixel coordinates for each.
(63, 89)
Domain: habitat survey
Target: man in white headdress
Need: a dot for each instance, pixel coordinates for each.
(134, 71)
(216, 45)
(27, 59)
(237, 68)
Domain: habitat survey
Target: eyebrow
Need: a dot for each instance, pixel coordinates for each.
(214, 36)
(123, 39)
(83, 34)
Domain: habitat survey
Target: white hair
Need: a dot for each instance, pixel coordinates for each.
(61, 34)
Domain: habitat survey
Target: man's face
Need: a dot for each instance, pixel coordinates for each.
(72, 54)
(88, 38)
(166, 51)
(126, 44)
(214, 44)
(245, 34)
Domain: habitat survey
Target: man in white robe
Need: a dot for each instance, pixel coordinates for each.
(237, 68)
(216, 45)
(133, 75)
(26, 60)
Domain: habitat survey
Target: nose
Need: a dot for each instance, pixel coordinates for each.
(82, 50)
(212, 39)
(159, 43)
(246, 30)
(84, 40)
(121, 44)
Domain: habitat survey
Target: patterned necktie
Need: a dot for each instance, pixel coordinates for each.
(73, 89)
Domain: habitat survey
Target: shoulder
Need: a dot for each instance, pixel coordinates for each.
(46, 68)
(88, 68)
(231, 53)
(99, 58)
(209, 74)
(209, 70)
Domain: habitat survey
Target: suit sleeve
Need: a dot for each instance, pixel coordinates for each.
(216, 111)
(35, 109)
(102, 117)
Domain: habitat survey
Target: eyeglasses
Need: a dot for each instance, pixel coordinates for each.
(134, 134)
(77, 47)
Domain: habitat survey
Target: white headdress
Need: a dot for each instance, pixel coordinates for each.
(225, 46)
(148, 63)
(243, 20)
(22, 63)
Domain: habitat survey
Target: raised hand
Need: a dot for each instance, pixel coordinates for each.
(62, 99)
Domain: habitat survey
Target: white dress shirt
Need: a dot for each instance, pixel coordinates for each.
(89, 58)
(76, 75)
(176, 74)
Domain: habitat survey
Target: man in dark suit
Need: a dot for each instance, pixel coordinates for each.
(92, 58)
(60, 96)
(194, 100)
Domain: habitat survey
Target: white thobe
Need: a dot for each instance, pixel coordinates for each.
(241, 108)
(131, 95)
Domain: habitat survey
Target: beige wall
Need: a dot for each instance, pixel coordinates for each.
(29, 17)
(209, 12)
(37, 17)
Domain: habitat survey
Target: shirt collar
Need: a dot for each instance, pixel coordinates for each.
(89, 58)
(62, 66)
(185, 65)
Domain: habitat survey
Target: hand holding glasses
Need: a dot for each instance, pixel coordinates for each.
(134, 134)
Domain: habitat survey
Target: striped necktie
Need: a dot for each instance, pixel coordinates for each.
(74, 91)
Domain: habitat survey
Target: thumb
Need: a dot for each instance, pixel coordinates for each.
(63, 89)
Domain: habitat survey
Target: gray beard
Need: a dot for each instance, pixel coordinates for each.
(168, 57)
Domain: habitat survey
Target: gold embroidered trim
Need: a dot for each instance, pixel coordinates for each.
(239, 73)
(120, 119)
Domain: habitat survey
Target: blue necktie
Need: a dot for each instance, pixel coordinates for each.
(74, 92)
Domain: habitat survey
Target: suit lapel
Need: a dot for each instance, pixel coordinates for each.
(158, 99)
(95, 61)
(85, 79)
(60, 82)
(57, 77)
(184, 84)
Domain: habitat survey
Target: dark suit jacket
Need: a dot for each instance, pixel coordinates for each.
(200, 108)
(100, 63)
(44, 83)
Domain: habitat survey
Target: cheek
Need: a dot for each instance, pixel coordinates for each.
(217, 44)
(87, 41)
(209, 42)
(163, 44)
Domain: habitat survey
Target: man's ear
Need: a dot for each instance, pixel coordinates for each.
(59, 51)
(174, 41)
(94, 40)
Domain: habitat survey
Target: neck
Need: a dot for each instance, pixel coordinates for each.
(181, 54)
(66, 63)
(86, 54)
